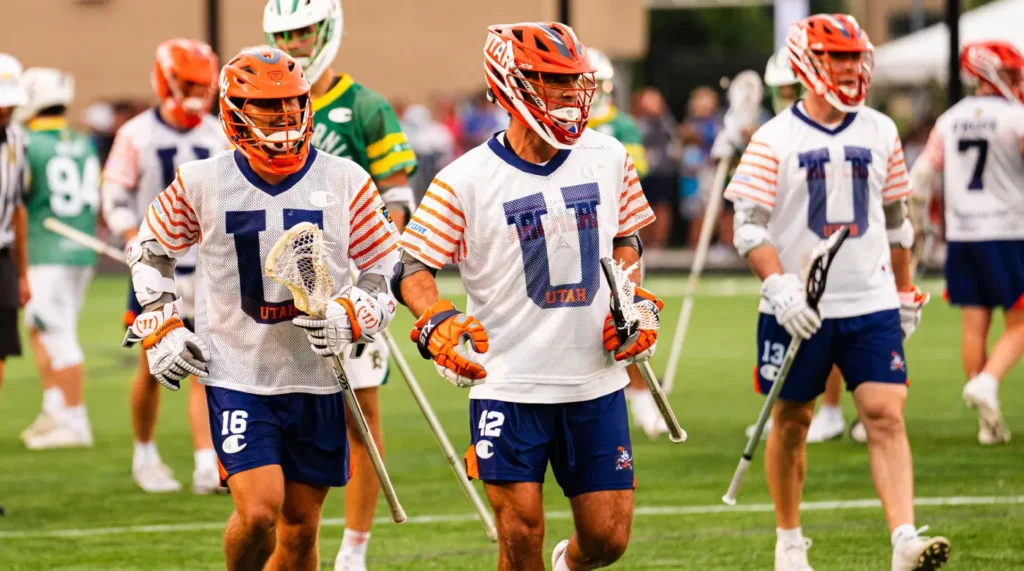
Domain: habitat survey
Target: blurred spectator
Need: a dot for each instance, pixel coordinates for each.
(431, 141)
(658, 132)
(693, 165)
(481, 120)
(446, 112)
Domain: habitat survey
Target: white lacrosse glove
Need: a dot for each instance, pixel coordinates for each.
(172, 350)
(911, 304)
(788, 298)
(353, 318)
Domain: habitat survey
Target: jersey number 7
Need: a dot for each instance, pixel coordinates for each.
(818, 219)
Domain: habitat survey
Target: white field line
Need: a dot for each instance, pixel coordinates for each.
(551, 515)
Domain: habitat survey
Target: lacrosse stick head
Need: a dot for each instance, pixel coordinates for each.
(814, 270)
(299, 261)
(629, 318)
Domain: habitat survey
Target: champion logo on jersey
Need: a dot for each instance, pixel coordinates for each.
(897, 363)
(322, 199)
(340, 115)
(593, 171)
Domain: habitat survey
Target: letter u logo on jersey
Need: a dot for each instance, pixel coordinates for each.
(540, 230)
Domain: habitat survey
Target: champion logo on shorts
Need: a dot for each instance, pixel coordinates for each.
(624, 461)
(233, 444)
(897, 363)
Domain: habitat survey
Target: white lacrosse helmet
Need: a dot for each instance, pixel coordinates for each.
(779, 74)
(283, 18)
(12, 93)
(45, 87)
(603, 76)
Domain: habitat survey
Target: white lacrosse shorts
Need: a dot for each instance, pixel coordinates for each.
(58, 294)
(370, 370)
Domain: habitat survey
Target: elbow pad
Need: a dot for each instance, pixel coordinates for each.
(408, 266)
(902, 237)
(401, 196)
(750, 226)
(152, 274)
(631, 241)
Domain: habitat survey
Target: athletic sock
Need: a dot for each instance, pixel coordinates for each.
(53, 402)
(789, 536)
(78, 418)
(561, 565)
(831, 411)
(145, 452)
(206, 459)
(354, 542)
(905, 531)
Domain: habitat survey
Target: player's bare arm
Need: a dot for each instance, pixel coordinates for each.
(441, 330)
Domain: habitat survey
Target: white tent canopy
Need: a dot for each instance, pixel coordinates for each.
(924, 55)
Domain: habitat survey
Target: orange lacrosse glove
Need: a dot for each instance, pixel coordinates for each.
(440, 333)
(642, 347)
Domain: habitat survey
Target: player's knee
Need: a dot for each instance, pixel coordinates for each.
(882, 418)
(520, 530)
(258, 517)
(792, 420)
(299, 534)
(603, 546)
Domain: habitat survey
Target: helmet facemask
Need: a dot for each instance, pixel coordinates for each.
(273, 132)
(842, 77)
(304, 44)
(557, 105)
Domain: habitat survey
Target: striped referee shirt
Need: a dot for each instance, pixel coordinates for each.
(13, 179)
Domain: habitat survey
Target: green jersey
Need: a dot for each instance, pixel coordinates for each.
(623, 128)
(355, 122)
(64, 183)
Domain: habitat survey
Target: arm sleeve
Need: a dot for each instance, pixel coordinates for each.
(372, 234)
(172, 221)
(435, 235)
(897, 183)
(634, 211)
(756, 176)
(387, 149)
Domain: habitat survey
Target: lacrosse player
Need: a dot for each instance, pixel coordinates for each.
(785, 89)
(276, 410)
(351, 121)
(565, 196)
(142, 162)
(829, 162)
(978, 146)
(64, 175)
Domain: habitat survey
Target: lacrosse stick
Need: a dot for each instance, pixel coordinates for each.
(745, 94)
(439, 434)
(629, 321)
(79, 237)
(817, 273)
(298, 261)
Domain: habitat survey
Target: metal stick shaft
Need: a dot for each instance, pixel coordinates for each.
(675, 432)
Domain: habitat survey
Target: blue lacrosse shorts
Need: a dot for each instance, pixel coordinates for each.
(865, 348)
(302, 433)
(587, 443)
(986, 274)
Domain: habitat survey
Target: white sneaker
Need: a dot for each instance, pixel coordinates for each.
(919, 553)
(792, 556)
(347, 561)
(647, 416)
(155, 478)
(206, 482)
(826, 425)
(764, 433)
(858, 433)
(982, 392)
(42, 423)
(559, 549)
(60, 436)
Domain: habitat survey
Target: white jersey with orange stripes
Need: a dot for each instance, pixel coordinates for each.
(528, 239)
(977, 145)
(147, 151)
(814, 179)
(235, 218)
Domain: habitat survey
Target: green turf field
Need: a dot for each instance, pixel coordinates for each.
(81, 509)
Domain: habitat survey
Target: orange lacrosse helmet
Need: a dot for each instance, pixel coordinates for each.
(542, 75)
(812, 43)
(997, 64)
(265, 109)
(180, 64)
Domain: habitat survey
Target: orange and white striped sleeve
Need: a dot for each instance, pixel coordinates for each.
(634, 211)
(172, 220)
(756, 176)
(372, 233)
(897, 183)
(435, 235)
